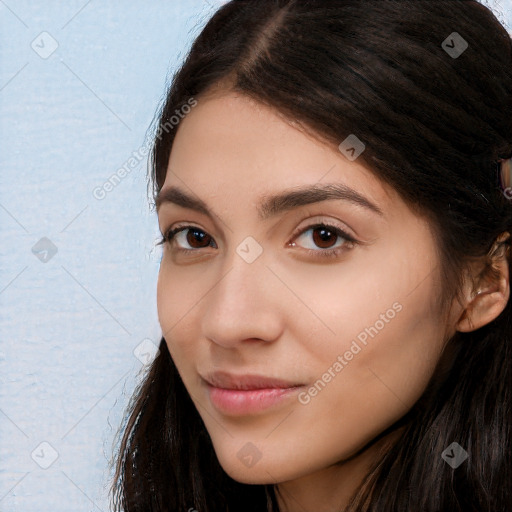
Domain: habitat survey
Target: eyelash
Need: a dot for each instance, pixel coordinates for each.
(326, 253)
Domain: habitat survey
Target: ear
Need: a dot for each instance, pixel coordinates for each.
(490, 292)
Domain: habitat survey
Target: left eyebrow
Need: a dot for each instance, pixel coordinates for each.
(271, 205)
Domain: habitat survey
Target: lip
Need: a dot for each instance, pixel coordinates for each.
(246, 382)
(247, 394)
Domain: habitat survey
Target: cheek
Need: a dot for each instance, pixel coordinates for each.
(162, 296)
(178, 292)
(362, 298)
(379, 376)
(376, 387)
(164, 301)
(375, 346)
(176, 298)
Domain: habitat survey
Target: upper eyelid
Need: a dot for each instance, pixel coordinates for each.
(303, 226)
(314, 220)
(309, 219)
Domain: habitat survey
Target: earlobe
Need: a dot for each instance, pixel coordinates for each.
(492, 295)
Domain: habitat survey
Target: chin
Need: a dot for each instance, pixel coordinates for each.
(273, 469)
(241, 468)
(254, 476)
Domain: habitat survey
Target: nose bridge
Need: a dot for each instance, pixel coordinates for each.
(244, 270)
(241, 305)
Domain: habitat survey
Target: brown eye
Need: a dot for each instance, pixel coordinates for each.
(193, 236)
(324, 237)
(196, 236)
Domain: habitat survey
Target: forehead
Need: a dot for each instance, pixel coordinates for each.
(231, 143)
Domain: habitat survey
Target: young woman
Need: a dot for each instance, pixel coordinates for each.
(330, 182)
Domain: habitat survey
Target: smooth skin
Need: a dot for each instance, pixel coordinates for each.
(290, 313)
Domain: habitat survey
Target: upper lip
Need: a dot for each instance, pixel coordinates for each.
(247, 381)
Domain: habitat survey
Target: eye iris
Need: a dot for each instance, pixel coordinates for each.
(323, 238)
(195, 235)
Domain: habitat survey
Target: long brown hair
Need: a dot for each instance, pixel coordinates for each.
(435, 125)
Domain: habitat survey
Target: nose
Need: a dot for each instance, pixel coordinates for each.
(246, 304)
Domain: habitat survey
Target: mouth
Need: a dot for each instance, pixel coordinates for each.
(247, 394)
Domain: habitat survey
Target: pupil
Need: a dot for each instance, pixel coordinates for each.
(194, 236)
(324, 237)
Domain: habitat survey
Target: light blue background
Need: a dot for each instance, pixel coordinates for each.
(69, 326)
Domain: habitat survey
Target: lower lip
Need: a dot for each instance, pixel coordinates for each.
(238, 401)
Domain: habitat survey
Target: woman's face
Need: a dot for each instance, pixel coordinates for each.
(249, 291)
